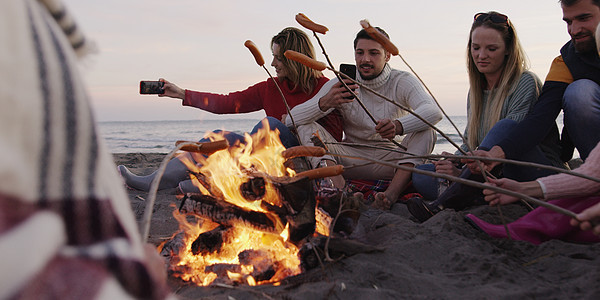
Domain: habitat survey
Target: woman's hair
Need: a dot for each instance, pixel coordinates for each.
(515, 63)
(301, 76)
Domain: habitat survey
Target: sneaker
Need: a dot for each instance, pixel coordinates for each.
(420, 209)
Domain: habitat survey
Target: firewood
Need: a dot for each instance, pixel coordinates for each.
(211, 241)
(224, 213)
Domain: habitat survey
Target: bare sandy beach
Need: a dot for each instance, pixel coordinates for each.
(443, 258)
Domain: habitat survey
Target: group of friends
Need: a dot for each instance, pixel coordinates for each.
(511, 115)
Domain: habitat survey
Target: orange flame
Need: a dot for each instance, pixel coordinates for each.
(225, 171)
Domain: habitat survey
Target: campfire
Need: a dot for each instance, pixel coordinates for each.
(256, 208)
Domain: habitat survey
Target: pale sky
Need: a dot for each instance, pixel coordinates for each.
(199, 44)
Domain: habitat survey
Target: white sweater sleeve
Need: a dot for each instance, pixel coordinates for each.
(309, 111)
(420, 102)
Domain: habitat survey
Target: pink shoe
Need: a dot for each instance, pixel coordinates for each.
(543, 224)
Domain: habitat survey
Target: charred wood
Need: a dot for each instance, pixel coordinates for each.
(172, 247)
(221, 269)
(264, 263)
(253, 189)
(227, 214)
(211, 241)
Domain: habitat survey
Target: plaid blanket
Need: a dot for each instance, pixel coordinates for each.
(371, 187)
(66, 226)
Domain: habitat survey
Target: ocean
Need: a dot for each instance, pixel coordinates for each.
(160, 136)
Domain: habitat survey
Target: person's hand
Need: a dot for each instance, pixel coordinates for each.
(495, 198)
(473, 165)
(171, 90)
(589, 219)
(283, 117)
(337, 96)
(446, 166)
(388, 129)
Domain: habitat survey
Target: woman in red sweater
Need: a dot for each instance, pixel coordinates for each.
(298, 83)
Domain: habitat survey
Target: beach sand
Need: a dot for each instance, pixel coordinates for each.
(443, 258)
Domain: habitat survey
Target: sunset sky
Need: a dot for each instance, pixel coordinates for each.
(199, 44)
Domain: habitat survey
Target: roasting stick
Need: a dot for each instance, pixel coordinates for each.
(314, 27)
(318, 151)
(206, 148)
(390, 47)
(317, 65)
(402, 107)
(483, 158)
(261, 62)
(469, 183)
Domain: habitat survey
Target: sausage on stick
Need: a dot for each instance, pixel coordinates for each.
(309, 24)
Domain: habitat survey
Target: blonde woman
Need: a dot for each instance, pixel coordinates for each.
(298, 83)
(500, 95)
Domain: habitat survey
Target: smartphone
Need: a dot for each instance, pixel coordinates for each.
(152, 87)
(349, 70)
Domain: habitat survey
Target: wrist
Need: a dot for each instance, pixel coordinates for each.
(182, 93)
(321, 106)
(399, 128)
(532, 189)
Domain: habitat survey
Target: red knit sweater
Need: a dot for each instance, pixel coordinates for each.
(263, 95)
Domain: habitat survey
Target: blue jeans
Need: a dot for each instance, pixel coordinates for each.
(288, 139)
(428, 186)
(581, 106)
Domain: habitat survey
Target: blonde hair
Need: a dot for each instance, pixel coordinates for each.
(301, 76)
(515, 63)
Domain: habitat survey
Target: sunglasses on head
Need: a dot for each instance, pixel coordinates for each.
(495, 18)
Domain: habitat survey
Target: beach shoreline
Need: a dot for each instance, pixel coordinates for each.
(443, 258)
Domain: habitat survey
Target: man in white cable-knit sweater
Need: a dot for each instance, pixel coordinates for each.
(392, 122)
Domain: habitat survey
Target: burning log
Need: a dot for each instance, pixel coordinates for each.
(222, 269)
(227, 214)
(211, 241)
(254, 188)
(299, 204)
(173, 246)
(299, 196)
(264, 263)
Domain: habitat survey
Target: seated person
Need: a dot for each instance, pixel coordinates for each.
(500, 95)
(374, 72)
(570, 192)
(297, 82)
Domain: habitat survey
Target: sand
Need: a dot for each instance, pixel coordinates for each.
(443, 258)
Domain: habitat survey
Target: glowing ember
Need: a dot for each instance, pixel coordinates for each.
(233, 252)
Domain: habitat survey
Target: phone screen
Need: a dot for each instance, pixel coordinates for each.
(151, 87)
(349, 70)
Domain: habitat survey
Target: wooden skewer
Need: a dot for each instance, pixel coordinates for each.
(261, 62)
(469, 183)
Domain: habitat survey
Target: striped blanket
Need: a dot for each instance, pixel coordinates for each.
(66, 226)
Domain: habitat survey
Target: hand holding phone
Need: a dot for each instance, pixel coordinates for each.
(152, 87)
